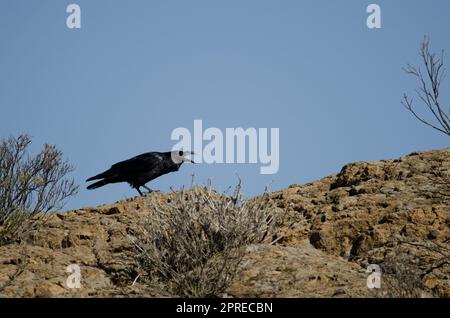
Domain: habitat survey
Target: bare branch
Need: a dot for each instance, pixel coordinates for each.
(429, 89)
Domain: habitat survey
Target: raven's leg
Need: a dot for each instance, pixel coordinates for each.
(147, 188)
(137, 188)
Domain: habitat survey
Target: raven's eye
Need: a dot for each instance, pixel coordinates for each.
(180, 153)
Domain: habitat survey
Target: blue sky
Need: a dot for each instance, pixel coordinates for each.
(136, 70)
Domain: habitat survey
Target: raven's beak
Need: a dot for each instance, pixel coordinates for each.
(189, 153)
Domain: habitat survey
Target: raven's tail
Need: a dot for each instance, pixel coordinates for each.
(99, 176)
(97, 184)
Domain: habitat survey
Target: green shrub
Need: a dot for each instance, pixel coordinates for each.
(30, 186)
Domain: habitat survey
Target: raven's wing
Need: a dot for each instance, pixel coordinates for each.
(132, 167)
(137, 164)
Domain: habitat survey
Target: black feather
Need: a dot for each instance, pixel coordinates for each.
(138, 170)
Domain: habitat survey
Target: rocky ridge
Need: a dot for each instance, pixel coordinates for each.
(333, 228)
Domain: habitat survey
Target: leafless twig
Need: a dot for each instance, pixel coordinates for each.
(429, 88)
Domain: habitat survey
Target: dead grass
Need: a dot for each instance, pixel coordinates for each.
(192, 244)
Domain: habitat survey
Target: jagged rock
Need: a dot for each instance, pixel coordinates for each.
(332, 229)
(368, 205)
(303, 271)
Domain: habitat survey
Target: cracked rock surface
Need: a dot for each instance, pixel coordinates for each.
(333, 228)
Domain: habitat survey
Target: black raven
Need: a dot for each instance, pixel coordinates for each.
(141, 169)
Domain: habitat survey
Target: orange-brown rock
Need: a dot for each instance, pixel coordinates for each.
(333, 228)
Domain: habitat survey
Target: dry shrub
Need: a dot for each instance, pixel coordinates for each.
(193, 243)
(401, 277)
(406, 267)
(30, 185)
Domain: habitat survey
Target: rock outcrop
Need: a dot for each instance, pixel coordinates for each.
(333, 228)
(371, 211)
